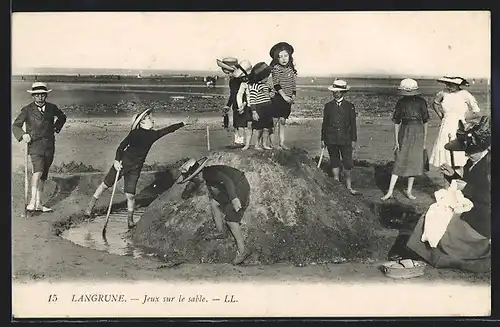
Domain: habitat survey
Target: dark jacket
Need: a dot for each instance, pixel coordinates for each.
(134, 148)
(339, 123)
(478, 190)
(234, 86)
(222, 181)
(41, 128)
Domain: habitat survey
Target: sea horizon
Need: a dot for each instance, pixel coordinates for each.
(145, 73)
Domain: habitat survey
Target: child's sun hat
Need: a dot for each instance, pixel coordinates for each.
(260, 71)
(227, 64)
(136, 120)
(339, 85)
(191, 168)
(408, 87)
(243, 68)
(279, 47)
(38, 88)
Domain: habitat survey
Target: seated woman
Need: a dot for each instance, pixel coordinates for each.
(466, 243)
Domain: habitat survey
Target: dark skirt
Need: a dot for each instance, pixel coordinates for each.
(265, 117)
(281, 108)
(461, 247)
(409, 161)
(241, 120)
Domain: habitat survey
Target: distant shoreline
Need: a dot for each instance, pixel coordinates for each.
(201, 75)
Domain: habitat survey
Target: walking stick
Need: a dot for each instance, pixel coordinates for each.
(208, 139)
(110, 203)
(26, 180)
(321, 156)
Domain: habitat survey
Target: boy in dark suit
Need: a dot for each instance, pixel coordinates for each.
(42, 120)
(339, 132)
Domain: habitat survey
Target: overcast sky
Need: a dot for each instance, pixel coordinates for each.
(326, 43)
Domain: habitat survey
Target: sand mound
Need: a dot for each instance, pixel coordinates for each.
(296, 214)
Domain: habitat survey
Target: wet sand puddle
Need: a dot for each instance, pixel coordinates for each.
(89, 234)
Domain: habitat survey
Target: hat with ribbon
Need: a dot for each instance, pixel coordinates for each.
(136, 120)
(191, 168)
(339, 85)
(243, 68)
(227, 64)
(460, 81)
(408, 86)
(39, 87)
(280, 46)
(473, 139)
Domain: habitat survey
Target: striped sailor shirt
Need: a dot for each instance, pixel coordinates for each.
(259, 93)
(284, 78)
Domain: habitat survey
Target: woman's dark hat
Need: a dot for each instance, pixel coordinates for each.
(260, 71)
(475, 138)
(281, 46)
(191, 168)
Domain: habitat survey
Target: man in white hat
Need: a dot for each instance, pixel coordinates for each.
(339, 132)
(42, 119)
(130, 157)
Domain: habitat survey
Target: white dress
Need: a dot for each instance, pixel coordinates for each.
(455, 107)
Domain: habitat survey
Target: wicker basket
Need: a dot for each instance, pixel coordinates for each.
(395, 269)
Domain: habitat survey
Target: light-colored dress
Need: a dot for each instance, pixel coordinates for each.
(455, 107)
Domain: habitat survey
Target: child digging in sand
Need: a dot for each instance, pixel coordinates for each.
(130, 157)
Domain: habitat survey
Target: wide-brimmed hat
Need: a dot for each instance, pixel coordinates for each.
(227, 64)
(39, 87)
(339, 85)
(408, 86)
(260, 71)
(136, 120)
(460, 81)
(475, 138)
(191, 168)
(281, 46)
(243, 68)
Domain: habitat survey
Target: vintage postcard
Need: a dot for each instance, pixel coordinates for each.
(251, 164)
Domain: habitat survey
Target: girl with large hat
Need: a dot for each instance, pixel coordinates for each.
(466, 243)
(453, 104)
(284, 78)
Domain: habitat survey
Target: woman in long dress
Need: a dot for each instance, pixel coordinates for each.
(410, 131)
(454, 104)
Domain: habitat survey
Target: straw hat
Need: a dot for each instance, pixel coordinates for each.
(138, 117)
(281, 46)
(227, 64)
(243, 68)
(475, 138)
(260, 71)
(460, 81)
(191, 168)
(408, 86)
(39, 87)
(339, 85)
